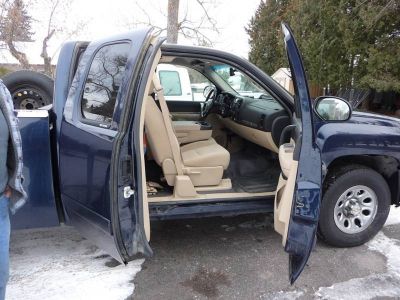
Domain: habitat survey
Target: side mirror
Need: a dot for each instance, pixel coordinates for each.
(329, 108)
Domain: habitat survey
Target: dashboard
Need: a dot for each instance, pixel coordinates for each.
(264, 114)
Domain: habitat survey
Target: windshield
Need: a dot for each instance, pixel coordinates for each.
(239, 82)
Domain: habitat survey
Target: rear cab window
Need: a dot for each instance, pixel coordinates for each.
(102, 84)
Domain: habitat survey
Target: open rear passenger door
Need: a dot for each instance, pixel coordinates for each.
(297, 198)
(100, 157)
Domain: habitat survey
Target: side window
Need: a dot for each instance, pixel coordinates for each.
(103, 82)
(182, 83)
(171, 83)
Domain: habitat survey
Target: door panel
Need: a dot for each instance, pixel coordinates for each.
(298, 209)
(285, 189)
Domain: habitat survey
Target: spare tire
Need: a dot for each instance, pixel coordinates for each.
(29, 89)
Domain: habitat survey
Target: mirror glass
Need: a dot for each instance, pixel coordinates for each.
(333, 109)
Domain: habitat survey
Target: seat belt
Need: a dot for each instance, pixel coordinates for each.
(175, 148)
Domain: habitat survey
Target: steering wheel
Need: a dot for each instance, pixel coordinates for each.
(209, 102)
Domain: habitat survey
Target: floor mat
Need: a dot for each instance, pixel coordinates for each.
(259, 184)
(254, 170)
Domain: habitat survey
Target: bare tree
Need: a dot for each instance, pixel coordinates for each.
(187, 27)
(15, 26)
(55, 25)
(50, 32)
(172, 21)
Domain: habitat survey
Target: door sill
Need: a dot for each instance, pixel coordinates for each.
(202, 209)
(222, 196)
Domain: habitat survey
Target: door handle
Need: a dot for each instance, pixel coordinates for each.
(128, 192)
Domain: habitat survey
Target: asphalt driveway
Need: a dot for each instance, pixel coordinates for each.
(242, 258)
(216, 258)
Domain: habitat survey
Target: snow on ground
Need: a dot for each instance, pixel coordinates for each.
(375, 285)
(57, 263)
(281, 295)
(394, 216)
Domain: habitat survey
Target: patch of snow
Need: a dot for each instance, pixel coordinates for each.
(57, 263)
(394, 216)
(375, 285)
(283, 295)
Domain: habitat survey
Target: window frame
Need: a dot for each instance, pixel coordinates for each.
(104, 125)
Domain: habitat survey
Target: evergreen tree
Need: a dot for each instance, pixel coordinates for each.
(265, 38)
(381, 65)
(345, 43)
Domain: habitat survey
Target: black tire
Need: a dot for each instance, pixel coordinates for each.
(29, 89)
(337, 183)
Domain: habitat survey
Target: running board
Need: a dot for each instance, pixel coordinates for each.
(210, 209)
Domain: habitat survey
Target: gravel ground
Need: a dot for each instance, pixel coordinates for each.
(215, 258)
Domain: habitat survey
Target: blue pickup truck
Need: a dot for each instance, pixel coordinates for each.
(110, 154)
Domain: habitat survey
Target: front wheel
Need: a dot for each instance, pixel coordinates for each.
(354, 207)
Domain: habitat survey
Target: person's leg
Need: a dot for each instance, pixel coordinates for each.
(4, 245)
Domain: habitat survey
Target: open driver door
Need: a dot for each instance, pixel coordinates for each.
(298, 194)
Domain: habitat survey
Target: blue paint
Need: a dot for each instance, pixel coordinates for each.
(40, 209)
(363, 134)
(303, 223)
(87, 153)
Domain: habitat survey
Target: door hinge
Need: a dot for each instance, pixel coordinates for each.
(128, 192)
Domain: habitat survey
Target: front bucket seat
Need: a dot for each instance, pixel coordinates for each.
(204, 161)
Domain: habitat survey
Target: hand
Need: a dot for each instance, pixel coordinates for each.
(7, 192)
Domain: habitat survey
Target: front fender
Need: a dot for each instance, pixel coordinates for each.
(346, 139)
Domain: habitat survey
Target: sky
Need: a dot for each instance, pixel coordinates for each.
(104, 18)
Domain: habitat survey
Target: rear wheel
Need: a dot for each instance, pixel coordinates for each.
(29, 89)
(355, 206)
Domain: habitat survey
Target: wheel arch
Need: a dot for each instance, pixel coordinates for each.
(387, 166)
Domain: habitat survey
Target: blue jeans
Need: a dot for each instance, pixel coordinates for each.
(4, 244)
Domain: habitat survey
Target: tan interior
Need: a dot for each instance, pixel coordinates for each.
(193, 162)
(190, 131)
(261, 138)
(146, 216)
(284, 192)
(286, 159)
(199, 163)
